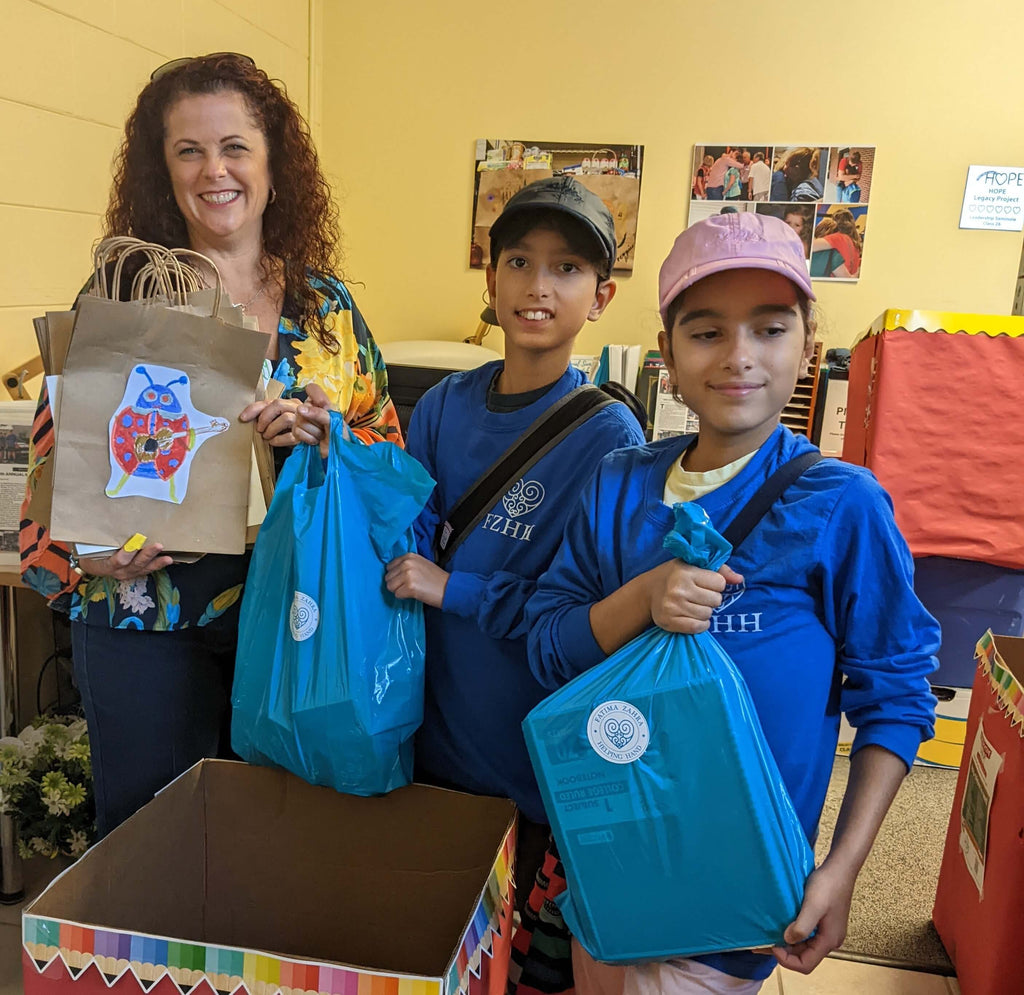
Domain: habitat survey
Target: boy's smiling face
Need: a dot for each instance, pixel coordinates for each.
(543, 292)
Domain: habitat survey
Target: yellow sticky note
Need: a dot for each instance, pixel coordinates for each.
(136, 542)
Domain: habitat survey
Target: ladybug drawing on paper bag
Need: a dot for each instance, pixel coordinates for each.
(154, 435)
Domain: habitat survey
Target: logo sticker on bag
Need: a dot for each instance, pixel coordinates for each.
(304, 617)
(618, 732)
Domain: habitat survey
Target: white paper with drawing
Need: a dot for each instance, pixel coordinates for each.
(155, 433)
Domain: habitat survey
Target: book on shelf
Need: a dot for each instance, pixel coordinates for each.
(620, 363)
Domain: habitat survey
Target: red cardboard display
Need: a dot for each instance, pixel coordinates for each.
(983, 932)
(936, 417)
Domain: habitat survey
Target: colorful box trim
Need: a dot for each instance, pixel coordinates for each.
(230, 970)
(1007, 689)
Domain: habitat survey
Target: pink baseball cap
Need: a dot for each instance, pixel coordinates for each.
(732, 241)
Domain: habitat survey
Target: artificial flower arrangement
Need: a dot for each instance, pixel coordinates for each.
(46, 787)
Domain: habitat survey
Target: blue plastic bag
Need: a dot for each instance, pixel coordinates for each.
(677, 834)
(330, 666)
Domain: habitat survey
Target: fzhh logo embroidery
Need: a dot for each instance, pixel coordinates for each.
(304, 617)
(618, 732)
(521, 498)
(723, 622)
(731, 594)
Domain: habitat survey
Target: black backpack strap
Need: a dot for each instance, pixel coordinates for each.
(624, 395)
(766, 495)
(563, 417)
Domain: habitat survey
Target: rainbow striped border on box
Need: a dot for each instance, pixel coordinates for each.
(478, 939)
(226, 969)
(232, 970)
(1007, 689)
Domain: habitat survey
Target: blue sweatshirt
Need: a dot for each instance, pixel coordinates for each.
(826, 619)
(479, 685)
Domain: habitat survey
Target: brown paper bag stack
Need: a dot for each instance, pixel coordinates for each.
(146, 422)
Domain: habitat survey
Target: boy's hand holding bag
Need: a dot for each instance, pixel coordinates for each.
(677, 834)
(330, 665)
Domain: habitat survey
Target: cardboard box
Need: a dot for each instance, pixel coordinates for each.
(947, 746)
(246, 879)
(934, 411)
(979, 909)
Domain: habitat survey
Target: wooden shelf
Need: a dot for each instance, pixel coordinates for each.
(798, 414)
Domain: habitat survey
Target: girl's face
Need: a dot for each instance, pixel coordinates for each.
(796, 222)
(734, 352)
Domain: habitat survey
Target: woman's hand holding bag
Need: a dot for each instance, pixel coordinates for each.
(329, 673)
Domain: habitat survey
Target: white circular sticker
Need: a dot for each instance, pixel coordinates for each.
(618, 732)
(304, 617)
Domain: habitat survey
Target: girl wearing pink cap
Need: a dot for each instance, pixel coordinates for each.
(820, 614)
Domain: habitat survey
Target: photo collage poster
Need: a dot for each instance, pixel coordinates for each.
(822, 192)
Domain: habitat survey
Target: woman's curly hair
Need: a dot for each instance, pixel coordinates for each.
(300, 226)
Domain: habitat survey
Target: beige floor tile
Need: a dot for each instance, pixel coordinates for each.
(843, 977)
(10, 960)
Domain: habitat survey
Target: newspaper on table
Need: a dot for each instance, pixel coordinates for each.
(671, 417)
(15, 432)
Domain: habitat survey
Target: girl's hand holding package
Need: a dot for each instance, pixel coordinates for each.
(684, 597)
(414, 576)
(825, 913)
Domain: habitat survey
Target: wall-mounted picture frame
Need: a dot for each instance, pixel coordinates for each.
(505, 166)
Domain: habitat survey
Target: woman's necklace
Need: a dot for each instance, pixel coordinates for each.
(255, 297)
(249, 303)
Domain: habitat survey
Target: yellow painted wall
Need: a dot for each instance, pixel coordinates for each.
(69, 74)
(408, 86)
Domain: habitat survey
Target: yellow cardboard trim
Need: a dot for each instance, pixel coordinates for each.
(949, 322)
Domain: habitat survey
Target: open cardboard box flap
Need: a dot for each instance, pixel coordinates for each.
(243, 856)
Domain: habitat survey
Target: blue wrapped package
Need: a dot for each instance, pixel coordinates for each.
(677, 834)
(330, 666)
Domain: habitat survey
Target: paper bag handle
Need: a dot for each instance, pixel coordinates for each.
(166, 271)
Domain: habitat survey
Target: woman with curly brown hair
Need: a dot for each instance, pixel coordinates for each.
(215, 158)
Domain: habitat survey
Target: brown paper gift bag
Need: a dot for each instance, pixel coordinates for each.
(148, 437)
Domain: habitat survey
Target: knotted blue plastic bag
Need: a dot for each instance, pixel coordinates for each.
(330, 665)
(677, 834)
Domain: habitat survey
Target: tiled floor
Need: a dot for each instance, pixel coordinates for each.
(37, 873)
(844, 977)
(833, 977)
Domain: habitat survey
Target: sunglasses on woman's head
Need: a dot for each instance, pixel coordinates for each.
(169, 67)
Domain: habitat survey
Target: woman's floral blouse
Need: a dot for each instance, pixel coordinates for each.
(208, 591)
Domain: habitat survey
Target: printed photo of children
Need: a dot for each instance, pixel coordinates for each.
(798, 173)
(849, 174)
(799, 217)
(838, 244)
(729, 172)
(820, 191)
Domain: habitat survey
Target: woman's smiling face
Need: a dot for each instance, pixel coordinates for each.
(219, 166)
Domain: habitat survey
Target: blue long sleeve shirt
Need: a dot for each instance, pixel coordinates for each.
(479, 685)
(826, 619)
